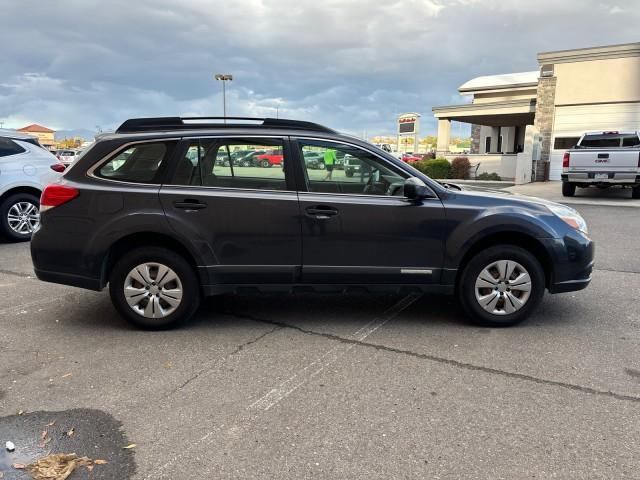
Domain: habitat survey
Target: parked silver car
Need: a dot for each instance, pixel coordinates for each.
(25, 169)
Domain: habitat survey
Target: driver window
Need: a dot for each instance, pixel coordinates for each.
(338, 168)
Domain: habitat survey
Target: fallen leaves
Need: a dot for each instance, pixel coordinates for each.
(70, 432)
(44, 439)
(66, 375)
(57, 466)
(130, 446)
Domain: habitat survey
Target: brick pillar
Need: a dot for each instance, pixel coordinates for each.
(475, 139)
(545, 108)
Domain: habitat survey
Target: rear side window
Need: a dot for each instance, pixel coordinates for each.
(139, 163)
(9, 147)
(630, 141)
(254, 164)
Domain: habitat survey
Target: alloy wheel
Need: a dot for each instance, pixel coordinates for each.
(23, 217)
(153, 290)
(503, 287)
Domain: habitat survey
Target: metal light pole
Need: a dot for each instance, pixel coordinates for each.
(224, 78)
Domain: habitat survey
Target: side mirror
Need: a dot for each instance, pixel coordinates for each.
(415, 189)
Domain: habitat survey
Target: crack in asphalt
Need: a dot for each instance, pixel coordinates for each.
(237, 350)
(17, 274)
(447, 361)
(612, 270)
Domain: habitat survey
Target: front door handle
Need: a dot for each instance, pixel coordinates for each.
(322, 212)
(189, 204)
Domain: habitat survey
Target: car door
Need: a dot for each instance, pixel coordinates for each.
(360, 228)
(247, 217)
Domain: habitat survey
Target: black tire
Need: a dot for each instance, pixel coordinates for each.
(6, 205)
(348, 173)
(185, 272)
(568, 189)
(321, 166)
(265, 164)
(467, 285)
(635, 192)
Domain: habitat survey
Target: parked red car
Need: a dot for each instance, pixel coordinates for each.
(410, 157)
(269, 159)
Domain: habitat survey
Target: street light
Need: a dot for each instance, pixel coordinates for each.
(224, 78)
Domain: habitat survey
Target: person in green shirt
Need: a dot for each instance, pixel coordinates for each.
(329, 162)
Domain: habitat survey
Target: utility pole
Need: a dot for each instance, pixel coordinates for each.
(224, 78)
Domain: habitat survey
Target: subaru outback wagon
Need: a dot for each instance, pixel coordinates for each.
(149, 211)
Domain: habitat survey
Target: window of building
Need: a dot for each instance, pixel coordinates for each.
(338, 168)
(9, 147)
(138, 164)
(256, 164)
(487, 144)
(565, 143)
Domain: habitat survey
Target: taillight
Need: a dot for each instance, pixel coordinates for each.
(55, 195)
(58, 167)
(565, 160)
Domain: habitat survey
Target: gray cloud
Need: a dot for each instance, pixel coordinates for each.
(351, 64)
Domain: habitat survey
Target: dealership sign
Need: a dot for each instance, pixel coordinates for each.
(408, 124)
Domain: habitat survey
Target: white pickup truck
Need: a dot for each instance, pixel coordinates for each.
(603, 159)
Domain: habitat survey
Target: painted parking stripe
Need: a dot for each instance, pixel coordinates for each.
(302, 376)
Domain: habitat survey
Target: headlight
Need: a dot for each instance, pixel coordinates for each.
(569, 216)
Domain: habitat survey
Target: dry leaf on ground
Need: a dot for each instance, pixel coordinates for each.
(57, 466)
(71, 431)
(131, 445)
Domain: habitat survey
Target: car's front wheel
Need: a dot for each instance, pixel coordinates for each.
(19, 216)
(154, 288)
(501, 286)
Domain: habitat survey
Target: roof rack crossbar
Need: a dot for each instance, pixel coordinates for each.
(136, 125)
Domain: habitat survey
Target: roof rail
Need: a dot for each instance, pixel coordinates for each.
(136, 125)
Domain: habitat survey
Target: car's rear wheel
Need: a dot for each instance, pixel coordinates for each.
(321, 166)
(154, 288)
(348, 173)
(265, 164)
(635, 192)
(19, 216)
(501, 286)
(568, 189)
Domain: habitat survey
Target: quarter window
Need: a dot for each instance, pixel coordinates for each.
(338, 168)
(9, 147)
(138, 164)
(255, 164)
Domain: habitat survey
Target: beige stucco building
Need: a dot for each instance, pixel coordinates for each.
(534, 116)
(44, 135)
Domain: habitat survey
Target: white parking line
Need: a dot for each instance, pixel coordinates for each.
(302, 376)
(286, 388)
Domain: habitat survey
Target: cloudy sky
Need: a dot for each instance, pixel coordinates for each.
(352, 64)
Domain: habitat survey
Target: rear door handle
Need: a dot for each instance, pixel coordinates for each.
(189, 204)
(603, 155)
(322, 212)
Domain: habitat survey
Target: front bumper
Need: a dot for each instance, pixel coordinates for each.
(572, 260)
(613, 178)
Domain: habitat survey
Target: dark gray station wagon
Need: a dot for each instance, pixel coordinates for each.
(167, 210)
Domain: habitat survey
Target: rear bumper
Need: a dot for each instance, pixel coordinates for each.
(572, 259)
(69, 279)
(613, 178)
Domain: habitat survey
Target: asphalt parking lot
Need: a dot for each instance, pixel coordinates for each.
(312, 386)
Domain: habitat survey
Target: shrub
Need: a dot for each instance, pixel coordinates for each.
(429, 156)
(460, 168)
(489, 176)
(435, 168)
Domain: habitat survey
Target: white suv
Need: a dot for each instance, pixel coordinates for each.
(25, 169)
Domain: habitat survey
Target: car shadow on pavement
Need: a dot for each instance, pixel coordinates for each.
(327, 311)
